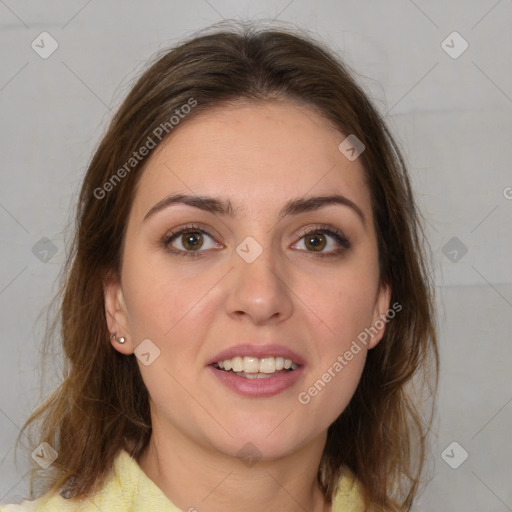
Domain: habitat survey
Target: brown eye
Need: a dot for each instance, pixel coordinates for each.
(322, 241)
(192, 240)
(315, 242)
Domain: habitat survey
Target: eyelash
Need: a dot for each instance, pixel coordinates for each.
(342, 240)
(338, 235)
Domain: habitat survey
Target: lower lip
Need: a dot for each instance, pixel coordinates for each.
(265, 387)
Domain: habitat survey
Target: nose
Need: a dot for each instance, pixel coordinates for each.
(259, 291)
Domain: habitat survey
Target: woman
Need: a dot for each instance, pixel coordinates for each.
(247, 299)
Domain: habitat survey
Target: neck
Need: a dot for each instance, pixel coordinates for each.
(197, 477)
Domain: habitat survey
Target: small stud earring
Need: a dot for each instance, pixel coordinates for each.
(121, 339)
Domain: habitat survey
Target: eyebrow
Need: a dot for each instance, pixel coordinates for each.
(222, 207)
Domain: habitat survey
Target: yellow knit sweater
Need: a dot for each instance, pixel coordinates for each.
(128, 489)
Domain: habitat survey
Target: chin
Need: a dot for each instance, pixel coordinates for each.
(262, 442)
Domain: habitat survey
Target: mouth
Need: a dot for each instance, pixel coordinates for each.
(251, 367)
(257, 370)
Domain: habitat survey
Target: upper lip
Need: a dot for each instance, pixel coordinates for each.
(258, 351)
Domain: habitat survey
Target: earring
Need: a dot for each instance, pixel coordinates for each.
(119, 340)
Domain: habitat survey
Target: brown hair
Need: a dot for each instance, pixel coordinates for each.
(102, 405)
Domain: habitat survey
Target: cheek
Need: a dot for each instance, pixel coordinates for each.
(343, 305)
(330, 389)
(161, 301)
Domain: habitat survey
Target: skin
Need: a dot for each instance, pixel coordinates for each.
(258, 156)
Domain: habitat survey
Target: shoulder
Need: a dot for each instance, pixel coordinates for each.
(48, 502)
(126, 489)
(43, 504)
(349, 495)
(16, 508)
(52, 502)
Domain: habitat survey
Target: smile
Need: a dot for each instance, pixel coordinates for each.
(254, 377)
(256, 368)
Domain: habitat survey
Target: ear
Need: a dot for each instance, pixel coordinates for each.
(378, 327)
(117, 315)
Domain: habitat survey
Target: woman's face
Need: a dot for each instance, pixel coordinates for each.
(251, 233)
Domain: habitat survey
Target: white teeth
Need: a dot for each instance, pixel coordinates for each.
(267, 365)
(256, 366)
(238, 364)
(251, 364)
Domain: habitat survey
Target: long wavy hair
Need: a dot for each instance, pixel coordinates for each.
(102, 406)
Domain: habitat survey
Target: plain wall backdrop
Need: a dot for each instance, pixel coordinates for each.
(450, 107)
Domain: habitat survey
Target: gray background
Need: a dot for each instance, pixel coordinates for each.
(452, 117)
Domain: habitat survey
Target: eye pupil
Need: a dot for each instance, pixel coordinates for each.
(315, 242)
(192, 240)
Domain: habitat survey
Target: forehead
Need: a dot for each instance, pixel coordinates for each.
(255, 154)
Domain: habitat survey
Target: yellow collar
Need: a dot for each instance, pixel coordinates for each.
(129, 489)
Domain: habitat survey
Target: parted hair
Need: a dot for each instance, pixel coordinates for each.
(102, 405)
